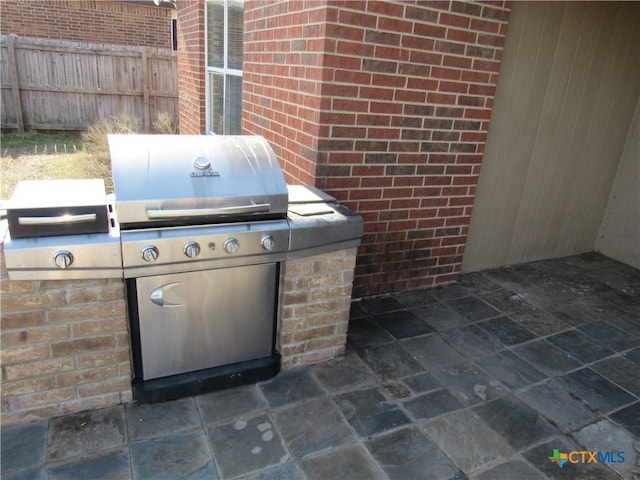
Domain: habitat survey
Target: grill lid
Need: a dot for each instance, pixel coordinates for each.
(195, 179)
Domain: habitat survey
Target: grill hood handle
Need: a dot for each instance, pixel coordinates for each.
(204, 212)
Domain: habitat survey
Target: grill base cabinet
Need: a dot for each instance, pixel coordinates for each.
(199, 331)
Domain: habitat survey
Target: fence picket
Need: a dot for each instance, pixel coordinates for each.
(55, 85)
(15, 88)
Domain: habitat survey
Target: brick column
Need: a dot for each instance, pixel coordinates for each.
(284, 46)
(386, 106)
(191, 67)
(316, 298)
(65, 347)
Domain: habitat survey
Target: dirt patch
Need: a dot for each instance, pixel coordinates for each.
(47, 156)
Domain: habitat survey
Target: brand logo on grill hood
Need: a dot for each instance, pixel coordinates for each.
(203, 168)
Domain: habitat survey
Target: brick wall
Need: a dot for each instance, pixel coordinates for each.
(316, 297)
(65, 347)
(99, 21)
(284, 46)
(191, 67)
(399, 99)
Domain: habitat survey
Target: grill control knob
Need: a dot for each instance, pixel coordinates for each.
(191, 249)
(268, 243)
(149, 253)
(63, 259)
(231, 246)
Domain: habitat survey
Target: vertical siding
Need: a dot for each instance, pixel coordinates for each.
(620, 230)
(565, 98)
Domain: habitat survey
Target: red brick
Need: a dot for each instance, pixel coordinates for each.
(455, 87)
(470, 180)
(423, 101)
(441, 98)
(347, 76)
(357, 49)
(383, 38)
(98, 22)
(368, 194)
(339, 61)
(428, 30)
(476, 113)
(421, 13)
(389, 80)
(486, 65)
(350, 105)
(457, 62)
(395, 25)
(446, 73)
(461, 35)
(454, 20)
(385, 8)
(482, 25)
(445, 46)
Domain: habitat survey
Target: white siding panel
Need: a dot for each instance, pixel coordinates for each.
(567, 89)
(620, 230)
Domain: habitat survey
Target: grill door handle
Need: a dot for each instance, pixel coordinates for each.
(61, 220)
(175, 292)
(203, 212)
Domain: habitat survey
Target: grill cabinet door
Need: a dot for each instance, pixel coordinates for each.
(197, 320)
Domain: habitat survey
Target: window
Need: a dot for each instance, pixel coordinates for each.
(224, 20)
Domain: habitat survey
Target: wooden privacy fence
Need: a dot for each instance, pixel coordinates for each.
(56, 85)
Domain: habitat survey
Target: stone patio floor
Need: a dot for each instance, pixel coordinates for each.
(481, 380)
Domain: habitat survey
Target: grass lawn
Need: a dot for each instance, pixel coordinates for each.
(44, 156)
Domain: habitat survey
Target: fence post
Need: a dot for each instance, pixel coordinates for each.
(145, 89)
(15, 86)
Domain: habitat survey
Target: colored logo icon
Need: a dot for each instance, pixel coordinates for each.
(559, 458)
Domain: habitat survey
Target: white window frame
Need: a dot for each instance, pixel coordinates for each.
(224, 70)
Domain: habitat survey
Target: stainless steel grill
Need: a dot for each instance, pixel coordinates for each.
(203, 229)
(199, 227)
(197, 202)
